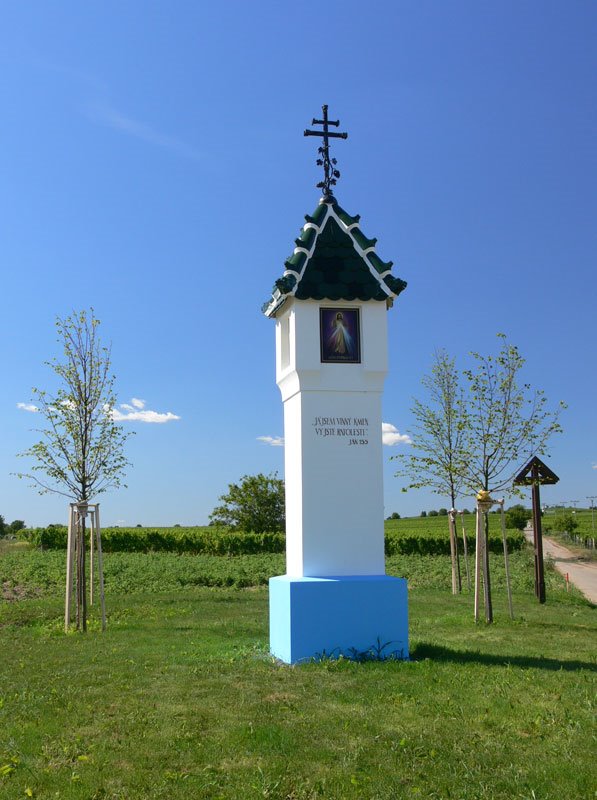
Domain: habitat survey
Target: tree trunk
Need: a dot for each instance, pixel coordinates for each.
(77, 571)
(458, 575)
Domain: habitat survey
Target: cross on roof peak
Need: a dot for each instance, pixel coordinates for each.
(330, 173)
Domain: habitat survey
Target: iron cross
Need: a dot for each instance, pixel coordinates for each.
(330, 173)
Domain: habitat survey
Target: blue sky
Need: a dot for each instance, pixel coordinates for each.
(153, 165)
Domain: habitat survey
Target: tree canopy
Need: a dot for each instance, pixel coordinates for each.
(476, 437)
(438, 451)
(14, 527)
(507, 421)
(517, 517)
(254, 504)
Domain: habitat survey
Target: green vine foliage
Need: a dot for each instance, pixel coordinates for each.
(216, 541)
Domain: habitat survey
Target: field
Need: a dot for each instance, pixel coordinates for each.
(584, 518)
(424, 536)
(583, 539)
(179, 697)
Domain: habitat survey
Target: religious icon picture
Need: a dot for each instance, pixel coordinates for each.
(340, 335)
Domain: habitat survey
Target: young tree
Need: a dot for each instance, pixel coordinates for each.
(437, 457)
(80, 453)
(517, 517)
(16, 525)
(564, 522)
(507, 423)
(255, 504)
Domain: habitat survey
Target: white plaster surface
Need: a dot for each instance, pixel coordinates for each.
(333, 446)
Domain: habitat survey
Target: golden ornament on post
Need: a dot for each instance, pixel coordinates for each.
(484, 500)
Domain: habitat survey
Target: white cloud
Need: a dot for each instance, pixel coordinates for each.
(143, 416)
(135, 411)
(390, 435)
(28, 407)
(274, 441)
(594, 466)
(111, 118)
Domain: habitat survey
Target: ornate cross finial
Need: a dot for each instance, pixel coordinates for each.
(331, 174)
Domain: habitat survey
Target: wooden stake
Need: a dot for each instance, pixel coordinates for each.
(100, 566)
(70, 547)
(468, 575)
(81, 577)
(486, 578)
(538, 539)
(458, 573)
(91, 532)
(506, 565)
(478, 548)
(453, 551)
(76, 576)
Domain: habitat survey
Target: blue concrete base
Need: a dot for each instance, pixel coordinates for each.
(329, 617)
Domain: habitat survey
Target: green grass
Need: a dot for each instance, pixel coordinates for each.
(180, 699)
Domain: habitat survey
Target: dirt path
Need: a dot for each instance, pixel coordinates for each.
(583, 574)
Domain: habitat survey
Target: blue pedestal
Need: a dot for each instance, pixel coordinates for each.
(347, 615)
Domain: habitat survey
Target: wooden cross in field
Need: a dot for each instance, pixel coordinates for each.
(534, 474)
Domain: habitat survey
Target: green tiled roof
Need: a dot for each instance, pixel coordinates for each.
(334, 260)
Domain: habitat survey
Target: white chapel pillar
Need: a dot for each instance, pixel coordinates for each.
(330, 309)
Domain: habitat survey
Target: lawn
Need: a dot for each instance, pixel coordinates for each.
(179, 697)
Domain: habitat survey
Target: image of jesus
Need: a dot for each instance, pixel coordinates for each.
(340, 338)
(339, 331)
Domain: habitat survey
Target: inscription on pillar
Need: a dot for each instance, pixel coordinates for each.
(354, 431)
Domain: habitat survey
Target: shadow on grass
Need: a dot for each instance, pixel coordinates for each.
(437, 653)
